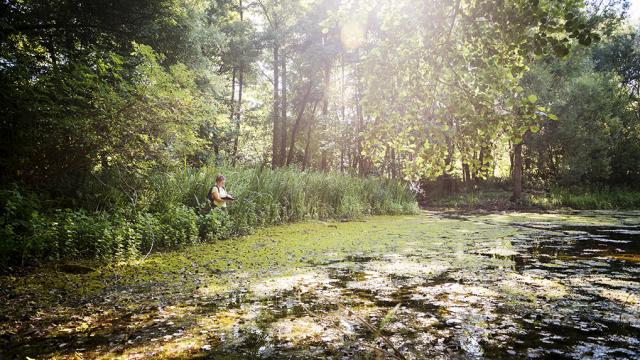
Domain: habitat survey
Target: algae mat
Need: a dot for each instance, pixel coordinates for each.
(433, 285)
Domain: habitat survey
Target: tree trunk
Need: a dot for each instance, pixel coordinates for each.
(238, 109)
(283, 119)
(238, 113)
(479, 171)
(325, 109)
(296, 125)
(466, 174)
(233, 94)
(275, 160)
(517, 172)
(448, 162)
(474, 174)
(394, 168)
(552, 165)
(216, 153)
(511, 160)
(307, 147)
(345, 143)
(359, 159)
(323, 161)
(216, 144)
(359, 128)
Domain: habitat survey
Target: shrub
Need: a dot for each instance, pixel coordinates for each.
(179, 225)
(22, 228)
(215, 225)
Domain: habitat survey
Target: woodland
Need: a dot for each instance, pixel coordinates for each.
(407, 126)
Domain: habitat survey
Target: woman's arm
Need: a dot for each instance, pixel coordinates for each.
(216, 196)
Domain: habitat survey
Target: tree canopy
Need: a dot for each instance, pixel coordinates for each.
(418, 90)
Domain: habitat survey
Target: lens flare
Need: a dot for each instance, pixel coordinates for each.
(352, 34)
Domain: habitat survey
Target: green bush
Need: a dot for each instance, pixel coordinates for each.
(215, 225)
(179, 225)
(23, 230)
(100, 235)
(149, 227)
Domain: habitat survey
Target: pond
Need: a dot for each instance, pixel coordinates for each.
(433, 285)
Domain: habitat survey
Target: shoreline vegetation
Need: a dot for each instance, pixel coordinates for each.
(535, 200)
(113, 122)
(169, 210)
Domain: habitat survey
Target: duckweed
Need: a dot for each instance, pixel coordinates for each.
(494, 285)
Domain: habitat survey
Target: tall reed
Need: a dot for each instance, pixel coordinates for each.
(120, 218)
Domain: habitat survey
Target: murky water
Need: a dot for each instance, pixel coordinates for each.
(428, 286)
(550, 290)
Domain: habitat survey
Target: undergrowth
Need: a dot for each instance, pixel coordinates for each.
(116, 219)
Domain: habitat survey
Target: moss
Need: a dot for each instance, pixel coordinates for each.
(207, 298)
(634, 258)
(565, 218)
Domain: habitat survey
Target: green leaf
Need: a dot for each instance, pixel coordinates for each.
(561, 50)
(534, 129)
(387, 318)
(537, 50)
(552, 116)
(585, 40)
(532, 98)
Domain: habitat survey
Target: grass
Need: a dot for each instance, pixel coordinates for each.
(559, 198)
(605, 199)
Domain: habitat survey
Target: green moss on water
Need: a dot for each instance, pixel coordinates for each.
(633, 258)
(248, 290)
(601, 217)
(280, 249)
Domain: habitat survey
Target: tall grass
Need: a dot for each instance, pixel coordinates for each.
(588, 199)
(557, 198)
(170, 209)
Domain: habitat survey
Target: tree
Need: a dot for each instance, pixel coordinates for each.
(452, 87)
(84, 74)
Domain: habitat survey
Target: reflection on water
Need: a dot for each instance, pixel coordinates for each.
(430, 286)
(549, 291)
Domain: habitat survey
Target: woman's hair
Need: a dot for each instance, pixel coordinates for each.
(219, 178)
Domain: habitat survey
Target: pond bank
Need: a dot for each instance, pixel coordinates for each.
(533, 201)
(493, 285)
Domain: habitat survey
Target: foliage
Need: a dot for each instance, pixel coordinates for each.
(434, 108)
(104, 98)
(171, 211)
(557, 198)
(588, 198)
(116, 117)
(592, 143)
(401, 89)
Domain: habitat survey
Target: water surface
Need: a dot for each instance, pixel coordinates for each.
(433, 285)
